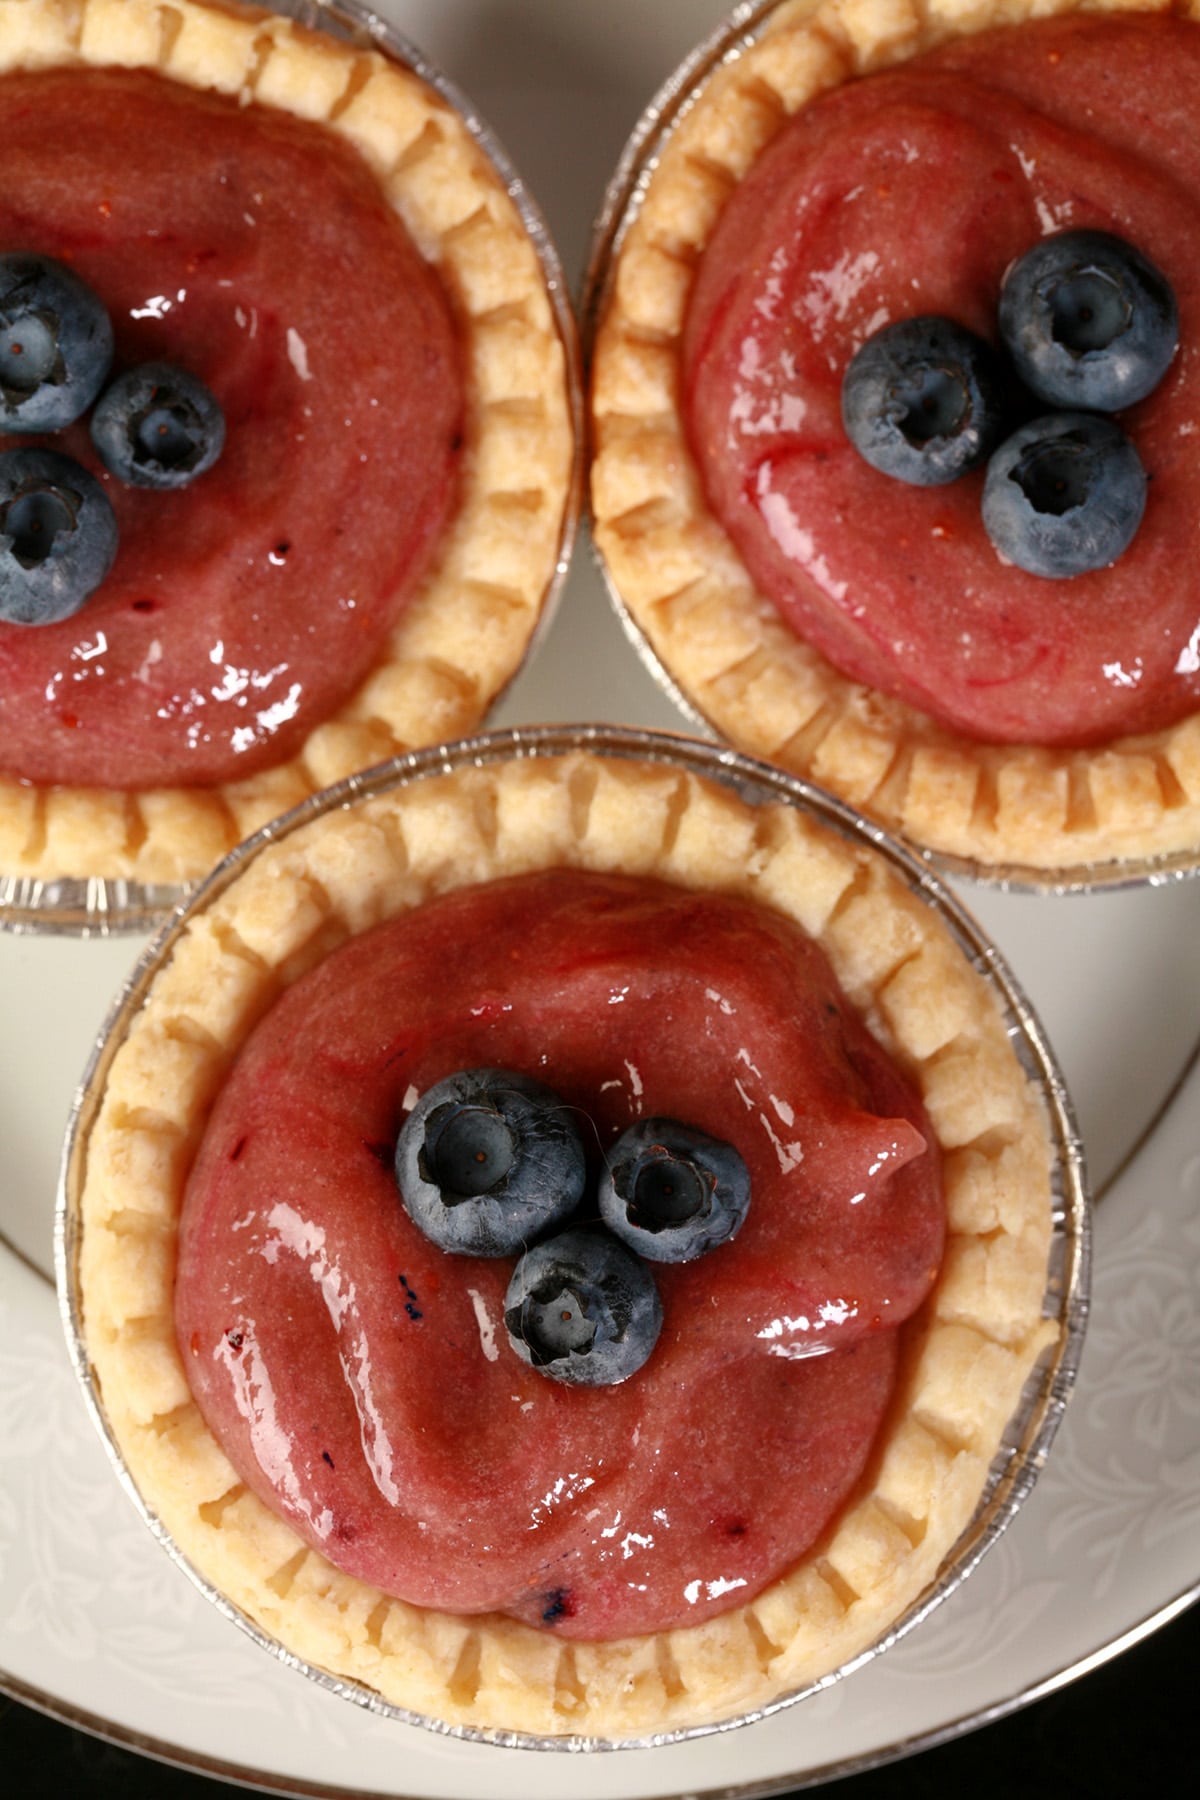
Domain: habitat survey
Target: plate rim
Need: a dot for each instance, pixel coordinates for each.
(162, 1750)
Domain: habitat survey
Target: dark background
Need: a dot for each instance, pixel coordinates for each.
(1128, 1728)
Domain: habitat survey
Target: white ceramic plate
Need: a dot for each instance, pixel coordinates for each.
(94, 1619)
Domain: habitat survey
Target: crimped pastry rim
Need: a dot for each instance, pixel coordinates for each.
(1050, 1347)
(96, 861)
(922, 781)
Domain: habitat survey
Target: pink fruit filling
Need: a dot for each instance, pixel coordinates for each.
(910, 192)
(258, 251)
(361, 1379)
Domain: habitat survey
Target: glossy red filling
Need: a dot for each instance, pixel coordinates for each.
(258, 251)
(910, 192)
(360, 1378)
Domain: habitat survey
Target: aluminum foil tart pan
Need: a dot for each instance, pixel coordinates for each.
(984, 1364)
(94, 859)
(1047, 818)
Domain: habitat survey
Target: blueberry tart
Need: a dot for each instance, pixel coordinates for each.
(867, 244)
(559, 1241)
(332, 416)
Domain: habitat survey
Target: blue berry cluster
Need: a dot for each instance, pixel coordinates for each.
(491, 1163)
(154, 426)
(1090, 327)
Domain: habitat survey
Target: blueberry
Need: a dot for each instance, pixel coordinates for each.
(58, 536)
(1064, 494)
(1089, 321)
(158, 427)
(487, 1160)
(672, 1193)
(56, 344)
(923, 400)
(583, 1309)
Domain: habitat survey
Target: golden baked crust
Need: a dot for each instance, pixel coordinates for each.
(1025, 807)
(966, 1361)
(466, 631)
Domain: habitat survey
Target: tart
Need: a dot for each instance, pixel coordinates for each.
(851, 628)
(369, 295)
(441, 859)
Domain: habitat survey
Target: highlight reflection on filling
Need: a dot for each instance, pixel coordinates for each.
(360, 1378)
(910, 192)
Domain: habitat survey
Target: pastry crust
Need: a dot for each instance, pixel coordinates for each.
(966, 1362)
(464, 634)
(1019, 808)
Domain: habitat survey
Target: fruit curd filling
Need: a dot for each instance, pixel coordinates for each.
(257, 251)
(911, 192)
(360, 1378)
